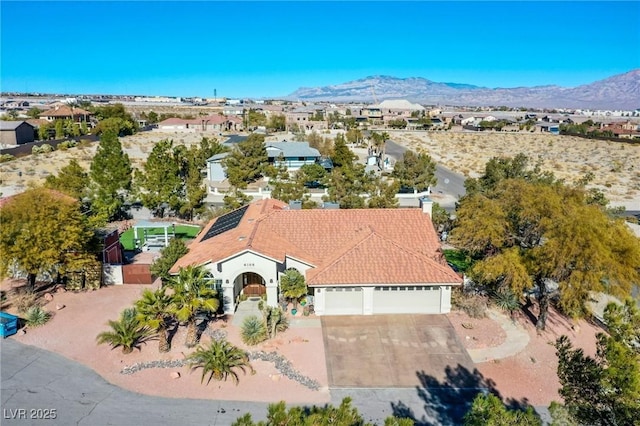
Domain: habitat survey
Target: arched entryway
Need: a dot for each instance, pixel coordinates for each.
(251, 284)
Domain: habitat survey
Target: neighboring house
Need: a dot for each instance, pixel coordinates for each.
(15, 104)
(65, 112)
(292, 155)
(546, 127)
(16, 132)
(356, 262)
(215, 169)
(295, 155)
(303, 118)
(211, 123)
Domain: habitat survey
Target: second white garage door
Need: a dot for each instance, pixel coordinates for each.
(343, 301)
(406, 300)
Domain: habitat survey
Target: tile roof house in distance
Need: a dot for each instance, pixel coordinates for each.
(210, 123)
(66, 112)
(361, 261)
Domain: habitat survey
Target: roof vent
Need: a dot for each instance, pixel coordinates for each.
(295, 205)
(241, 238)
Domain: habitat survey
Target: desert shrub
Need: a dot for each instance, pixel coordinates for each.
(253, 330)
(63, 146)
(474, 305)
(42, 149)
(36, 316)
(506, 300)
(25, 300)
(6, 157)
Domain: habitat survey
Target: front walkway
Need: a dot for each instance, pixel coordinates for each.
(517, 339)
(246, 309)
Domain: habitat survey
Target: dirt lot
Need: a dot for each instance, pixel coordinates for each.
(530, 376)
(615, 165)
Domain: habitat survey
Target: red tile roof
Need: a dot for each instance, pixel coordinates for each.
(64, 111)
(359, 246)
(210, 119)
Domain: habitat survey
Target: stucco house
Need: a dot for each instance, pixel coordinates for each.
(210, 123)
(66, 112)
(356, 262)
(292, 155)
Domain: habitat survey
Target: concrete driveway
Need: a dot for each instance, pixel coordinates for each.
(382, 351)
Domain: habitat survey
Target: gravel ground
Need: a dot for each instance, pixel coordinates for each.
(529, 376)
(72, 331)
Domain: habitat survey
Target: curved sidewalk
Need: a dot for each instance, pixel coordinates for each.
(517, 339)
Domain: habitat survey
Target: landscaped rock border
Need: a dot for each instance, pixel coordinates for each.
(153, 364)
(284, 366)
(280, 362)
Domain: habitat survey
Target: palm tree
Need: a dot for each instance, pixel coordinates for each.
(293, 285)
(127, 332)
(155, 311)
(192, 295)
(221, 360)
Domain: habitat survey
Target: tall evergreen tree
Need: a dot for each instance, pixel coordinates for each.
(415, 171)
(194, 189)
(604, 390)
(72, 179)
(342, 156)
(247, 162)
(160, 181)
(110, 174)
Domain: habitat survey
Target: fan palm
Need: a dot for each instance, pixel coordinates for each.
(127, 332)
(220, 360)
(293, 285)
(154, 310)
(192, 295)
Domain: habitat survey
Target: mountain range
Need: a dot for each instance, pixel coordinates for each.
(619, 92)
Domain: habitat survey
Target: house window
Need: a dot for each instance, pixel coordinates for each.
(301, 158)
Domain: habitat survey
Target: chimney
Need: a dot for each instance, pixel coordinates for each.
(427, 205)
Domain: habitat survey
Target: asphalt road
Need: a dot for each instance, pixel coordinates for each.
(449, 182)
(38, 383)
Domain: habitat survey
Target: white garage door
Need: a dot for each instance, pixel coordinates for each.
(406, 300)
(343, 301)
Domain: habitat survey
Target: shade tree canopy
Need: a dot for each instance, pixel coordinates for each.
(43, 231)
(532, 232)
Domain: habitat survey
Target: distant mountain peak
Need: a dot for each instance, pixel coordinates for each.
(618, 92)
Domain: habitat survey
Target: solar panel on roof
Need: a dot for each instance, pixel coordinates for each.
(225, 223)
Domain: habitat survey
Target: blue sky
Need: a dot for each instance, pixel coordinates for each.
(270, 49)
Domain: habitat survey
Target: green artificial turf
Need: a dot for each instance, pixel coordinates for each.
(184, 232)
